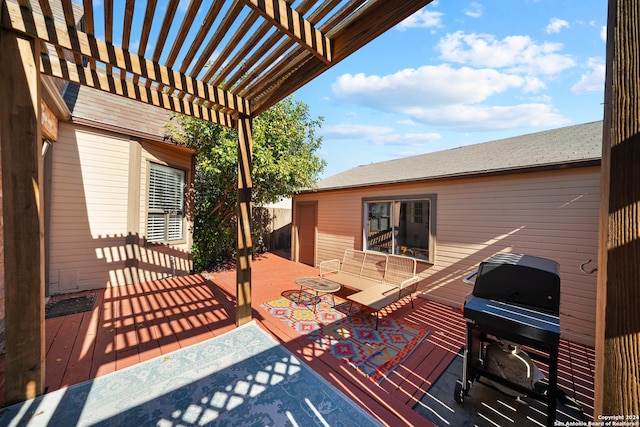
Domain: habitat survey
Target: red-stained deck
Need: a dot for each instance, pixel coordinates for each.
(138, 322)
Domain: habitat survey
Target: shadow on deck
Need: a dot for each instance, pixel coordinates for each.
(131, 324)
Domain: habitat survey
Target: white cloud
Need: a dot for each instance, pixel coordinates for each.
(424, 18)
(487, 83)
(413, 139)
(603, 33)
(407, 122)
(485, 117)
(517, 54)
(448, 97)
(430, 84)
(348, 131)
(183, 5)
(556, 25)
(378, 135)
(593, 80)
(544, 99)
(474, 10)
(532, 85)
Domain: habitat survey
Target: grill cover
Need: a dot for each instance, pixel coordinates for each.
(519, 279)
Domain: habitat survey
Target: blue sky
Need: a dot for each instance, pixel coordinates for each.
(456, 73)
(462, 72)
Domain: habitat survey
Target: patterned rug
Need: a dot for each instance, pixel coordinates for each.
(351, 338)
(241, 378)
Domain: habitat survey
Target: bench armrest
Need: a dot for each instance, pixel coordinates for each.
(408, 282)
(330, 266)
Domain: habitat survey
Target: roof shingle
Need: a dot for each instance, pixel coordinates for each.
(102, 109)
(562, 146)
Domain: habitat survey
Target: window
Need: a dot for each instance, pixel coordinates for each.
(416, 212)
(402, 226)
(379, 216)
(166, 203)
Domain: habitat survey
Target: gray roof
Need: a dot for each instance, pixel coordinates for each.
(105, 110)
(101, 109)
(563, 146)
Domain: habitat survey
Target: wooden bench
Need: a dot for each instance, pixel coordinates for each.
(379, 278)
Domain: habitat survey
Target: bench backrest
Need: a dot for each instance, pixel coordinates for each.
(374, 266)
(370, 265)
(352, 262)
(399, 269)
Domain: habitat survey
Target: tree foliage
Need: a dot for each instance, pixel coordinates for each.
(284, 162)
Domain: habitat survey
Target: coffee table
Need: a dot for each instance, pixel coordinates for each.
(319, 285)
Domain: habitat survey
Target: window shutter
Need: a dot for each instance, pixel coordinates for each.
(155, 227)
(166, 203)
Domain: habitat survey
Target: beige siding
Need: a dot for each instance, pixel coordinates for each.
(548, 214)
(88, 207)
(178, 252)
(336, 230)
(91, 241)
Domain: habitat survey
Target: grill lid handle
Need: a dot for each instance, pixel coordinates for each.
(467, 278)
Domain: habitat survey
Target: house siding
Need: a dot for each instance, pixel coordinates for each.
(178, 253)
(91, 241)
(552, 214)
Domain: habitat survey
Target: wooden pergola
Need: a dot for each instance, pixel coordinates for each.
(228, 61)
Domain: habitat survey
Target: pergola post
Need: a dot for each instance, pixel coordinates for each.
(617, 382)
(21, 160)
(245, 244)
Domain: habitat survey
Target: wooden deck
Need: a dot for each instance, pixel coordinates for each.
(135, 323)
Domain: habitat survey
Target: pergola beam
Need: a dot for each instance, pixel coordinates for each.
(369, 22)
(25, 21)
(244, 244)
(291, 22)
(22, 216)
(617, 368)
(86, 76)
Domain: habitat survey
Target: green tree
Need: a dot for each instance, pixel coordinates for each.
(284, 162)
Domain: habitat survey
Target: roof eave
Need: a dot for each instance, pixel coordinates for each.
(134, 134)
(53, 98)
(474, 174)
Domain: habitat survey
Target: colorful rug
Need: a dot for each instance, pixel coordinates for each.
(351, 338)
(241, 378)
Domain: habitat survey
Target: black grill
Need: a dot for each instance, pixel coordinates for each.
(516, 298)
(523, 280)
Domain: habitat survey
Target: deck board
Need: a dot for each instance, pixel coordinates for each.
(136, 323)
(79, 367)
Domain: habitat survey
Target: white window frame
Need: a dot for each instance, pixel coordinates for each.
(165, 211)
